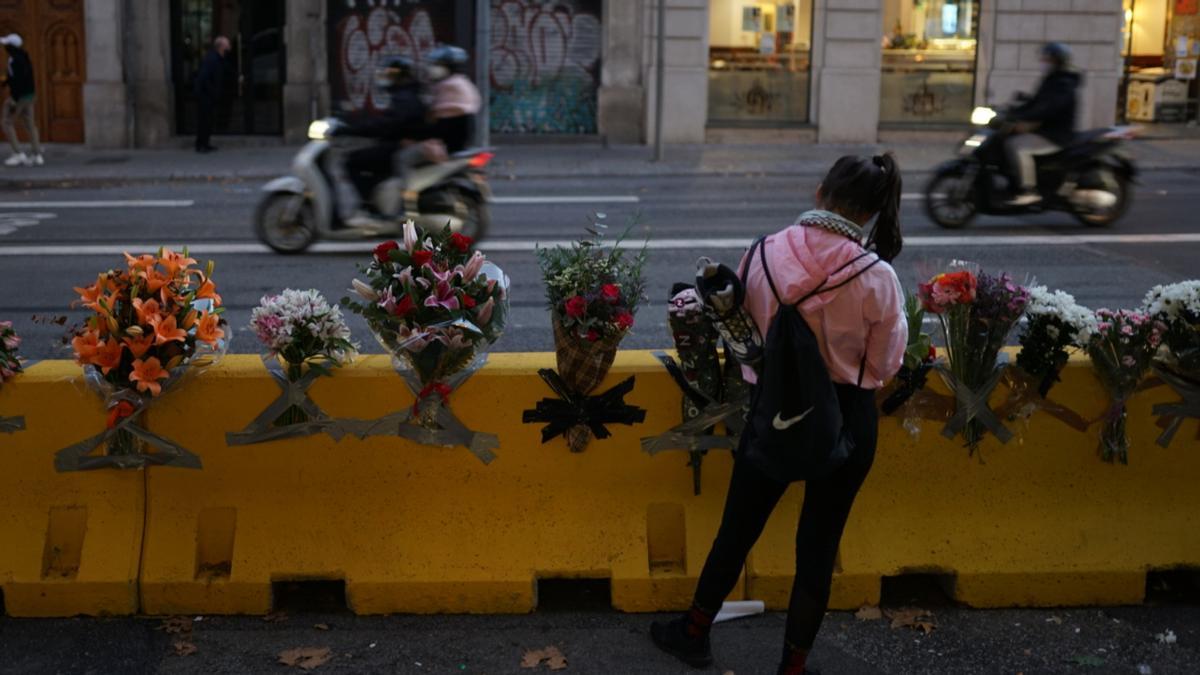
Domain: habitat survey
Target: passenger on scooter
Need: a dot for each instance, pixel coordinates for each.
(456, 100)
(403, 122)
(1045, 122)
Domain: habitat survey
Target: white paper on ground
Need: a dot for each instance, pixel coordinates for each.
(739, 609)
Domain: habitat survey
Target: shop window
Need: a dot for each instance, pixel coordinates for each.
(928, 61)
(1161, 49)
(759, 62)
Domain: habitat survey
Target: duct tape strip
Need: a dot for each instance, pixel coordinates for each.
(973, 405)
(572, 409)
(1172, 415)
(293, 394)
(449, 432)
(693, 434)
(11, 425)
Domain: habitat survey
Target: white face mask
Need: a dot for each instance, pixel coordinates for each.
(437, 73)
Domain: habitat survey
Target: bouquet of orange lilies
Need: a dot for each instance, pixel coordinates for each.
(150, 324)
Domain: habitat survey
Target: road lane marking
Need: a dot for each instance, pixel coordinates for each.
(9, 222)
(579, 199)
(103, 204)
(527, 245)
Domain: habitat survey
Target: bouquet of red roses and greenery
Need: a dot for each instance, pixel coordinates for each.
(436, 305)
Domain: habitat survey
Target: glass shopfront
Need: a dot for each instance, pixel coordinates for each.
(928, 61)
(759, 62)
(1161, 50)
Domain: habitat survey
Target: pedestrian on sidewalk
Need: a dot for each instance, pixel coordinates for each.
(208, 88)
(19, 105)
(861, 332)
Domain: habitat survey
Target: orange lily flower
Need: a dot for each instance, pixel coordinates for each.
(108, 355)
(155, 280)
(173, 262)
(148, 311)
(147, 374)
(209, 329)
(165, 331)
(208, 290)
(138, 346)
(85, 347)
(140, 263)
(189, 320)
(89, 295)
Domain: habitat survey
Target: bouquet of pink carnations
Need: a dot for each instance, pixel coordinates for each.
(10, 364)
(1121, 348)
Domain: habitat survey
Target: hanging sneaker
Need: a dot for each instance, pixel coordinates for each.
(722, 292)
(38, 160)
(19, 159)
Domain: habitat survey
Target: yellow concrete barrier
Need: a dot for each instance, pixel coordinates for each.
(69, 543)
(412, 528)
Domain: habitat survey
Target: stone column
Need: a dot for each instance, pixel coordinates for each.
(1091, 28)
(686, 66)
(846, 71)
(104, 96)
(306, 88)
(147, 38)
(622, 98)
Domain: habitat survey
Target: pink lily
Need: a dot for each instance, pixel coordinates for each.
(410, 236)
(387, 301)
(483, 315)
(443, 296)
(473, 267)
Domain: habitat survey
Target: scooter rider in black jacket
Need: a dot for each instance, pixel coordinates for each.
(1046, 122)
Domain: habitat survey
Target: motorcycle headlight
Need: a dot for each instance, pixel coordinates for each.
(318, 130)
(982, 115)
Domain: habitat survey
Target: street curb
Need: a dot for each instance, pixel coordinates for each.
(418, 529)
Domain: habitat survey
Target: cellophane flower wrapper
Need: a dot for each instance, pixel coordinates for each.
(905, 395)
(1121, 349)
(300, 331)
(152, 324)
(1175, 309)
(436, 306)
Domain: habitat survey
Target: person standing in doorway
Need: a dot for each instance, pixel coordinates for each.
(19, 105)
(208, 87)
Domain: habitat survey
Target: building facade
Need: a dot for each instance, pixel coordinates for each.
(118, 73)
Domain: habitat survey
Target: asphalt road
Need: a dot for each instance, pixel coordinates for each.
(52, 240)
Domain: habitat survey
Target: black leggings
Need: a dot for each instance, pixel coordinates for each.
(752, 497)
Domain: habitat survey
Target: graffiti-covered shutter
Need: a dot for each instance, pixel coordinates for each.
(364, 33)
(545, 66)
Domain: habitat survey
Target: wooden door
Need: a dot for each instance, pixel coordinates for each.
(52, 31)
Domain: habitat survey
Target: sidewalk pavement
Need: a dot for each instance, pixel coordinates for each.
(75, 166)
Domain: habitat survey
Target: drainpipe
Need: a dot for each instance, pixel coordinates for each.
(127, 75)
(659, 74)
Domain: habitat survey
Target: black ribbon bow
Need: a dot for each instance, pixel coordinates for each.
(572, 409)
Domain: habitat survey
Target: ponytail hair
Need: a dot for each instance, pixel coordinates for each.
(859, 188)
(885, 237)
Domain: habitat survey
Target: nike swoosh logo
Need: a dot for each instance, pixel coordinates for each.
(781, 424)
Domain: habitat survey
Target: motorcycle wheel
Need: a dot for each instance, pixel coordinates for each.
(285, 237)
(470, 211)
(948, 202)
(1118, 186)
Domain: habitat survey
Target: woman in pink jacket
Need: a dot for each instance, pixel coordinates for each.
(861, 331)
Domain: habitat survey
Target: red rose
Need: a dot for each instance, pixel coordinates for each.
(461, 242)
(932, 353)
(592, 335)
(624, 320)
(611, 293)
(421, 258)
(468, 302)
(576, 307)
(382, 251)
(404, 306)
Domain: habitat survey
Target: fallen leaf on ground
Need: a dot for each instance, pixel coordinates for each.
(1056, 620)
(321, 626)
(866, 613)
(184, 648)
(176, 625)
(551, 656)
(276, 617)
(917, 619)
(305, 658)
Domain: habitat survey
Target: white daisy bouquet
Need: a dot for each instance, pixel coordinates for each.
(304, 332)
(1176, 311)
(1055, 325)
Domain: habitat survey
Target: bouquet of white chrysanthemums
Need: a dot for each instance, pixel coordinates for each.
(1177, 306)
(302, 330)
(1055, 324)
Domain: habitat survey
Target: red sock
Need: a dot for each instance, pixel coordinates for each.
(793, 661)
(699, 623)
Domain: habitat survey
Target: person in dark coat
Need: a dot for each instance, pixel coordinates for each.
(208, 87)
(401, 123)
(1046, 122)
(18, 107)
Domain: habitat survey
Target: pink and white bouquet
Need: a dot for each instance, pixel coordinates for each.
(977, 313)
(437, 305)
(10, 364)
(303, 331)
(1121, 348)
(1176, 311)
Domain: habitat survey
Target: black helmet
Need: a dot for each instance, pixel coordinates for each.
(397, 70)
(452, 58)
(1057, 53)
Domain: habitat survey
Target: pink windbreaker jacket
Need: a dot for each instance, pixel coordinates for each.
(865, 316)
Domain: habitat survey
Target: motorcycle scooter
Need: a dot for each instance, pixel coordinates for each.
(1091, 178)
(314, 201)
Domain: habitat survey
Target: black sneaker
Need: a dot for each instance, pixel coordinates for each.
(721, 290)
(672, 638)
